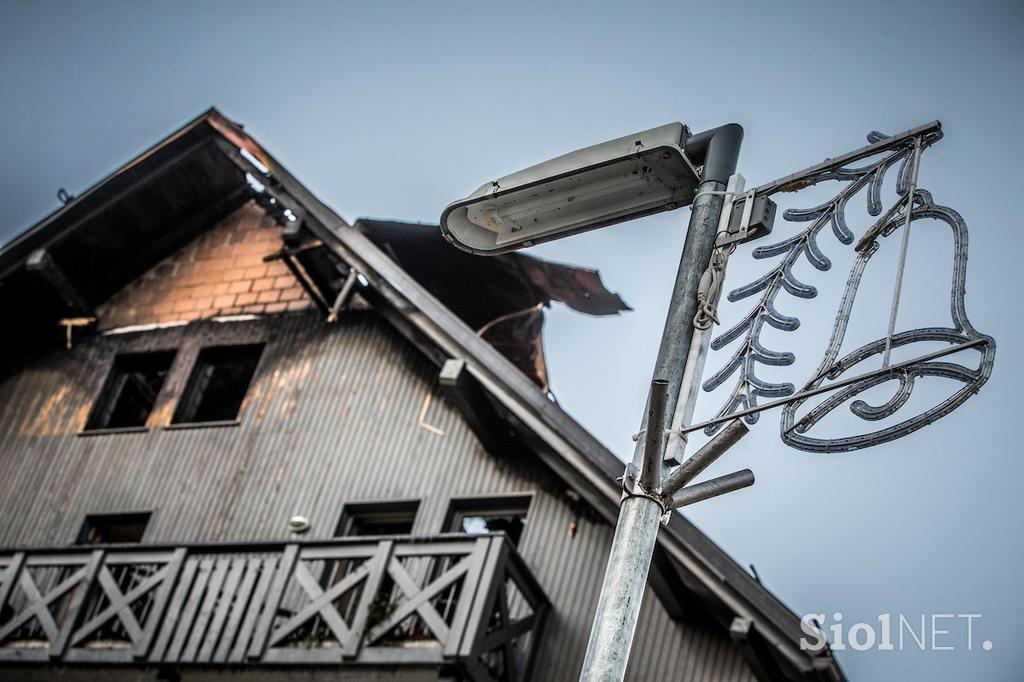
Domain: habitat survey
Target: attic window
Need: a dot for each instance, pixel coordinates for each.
(219, 382)
(103, 529)
(130, 391)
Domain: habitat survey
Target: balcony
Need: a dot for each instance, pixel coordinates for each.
(466, 605)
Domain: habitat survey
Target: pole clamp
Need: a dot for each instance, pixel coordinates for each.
(631, 487)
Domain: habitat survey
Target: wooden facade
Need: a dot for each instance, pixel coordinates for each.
(392, 401)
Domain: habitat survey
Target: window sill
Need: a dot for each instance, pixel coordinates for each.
(203, 425)
(120, 429)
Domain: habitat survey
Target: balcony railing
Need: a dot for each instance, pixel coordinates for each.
(465, 602)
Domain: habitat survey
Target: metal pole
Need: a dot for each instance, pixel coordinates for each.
(719, 485)
(639, 516)
(704, 457)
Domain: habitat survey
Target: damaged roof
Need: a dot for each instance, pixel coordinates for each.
(502, 297)
(79, 256)
(482, 315)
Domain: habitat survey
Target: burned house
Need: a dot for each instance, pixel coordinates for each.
(240, 436)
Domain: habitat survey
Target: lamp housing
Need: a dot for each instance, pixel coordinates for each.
(612, 182)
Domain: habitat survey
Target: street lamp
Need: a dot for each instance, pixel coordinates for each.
(608, 183)
(636, 175)
(667, 167)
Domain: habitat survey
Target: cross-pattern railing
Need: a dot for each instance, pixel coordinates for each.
(455, 600)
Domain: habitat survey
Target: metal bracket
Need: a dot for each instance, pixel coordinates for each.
(629, 479)
(732, 190)
(755, 219)
(69, 323)
(631, 487)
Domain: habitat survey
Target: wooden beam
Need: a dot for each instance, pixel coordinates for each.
(291, 231)
(121, 183)
(744, 636)
(41, 262)
(681, 603)
(469, 399)
(306, 286)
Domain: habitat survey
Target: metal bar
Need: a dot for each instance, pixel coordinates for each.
(288, 252)
(676, 440)
(654, 440)
(901, 266)
(343, 294)
(677, 335)
(849, 157)
(869, 237)
(712, 488)
(704, 457)
(892, 369)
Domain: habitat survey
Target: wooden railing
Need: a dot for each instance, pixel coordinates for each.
(457, 600)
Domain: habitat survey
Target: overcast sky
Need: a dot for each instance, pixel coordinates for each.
(393, 110)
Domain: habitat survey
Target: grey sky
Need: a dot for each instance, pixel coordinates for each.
(393, 110)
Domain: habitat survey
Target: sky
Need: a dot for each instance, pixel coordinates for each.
(393, 110)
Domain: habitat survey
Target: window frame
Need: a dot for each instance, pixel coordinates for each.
(112, 388)
(89, 524)
(512, 504)
(191, 397)
(380, 509)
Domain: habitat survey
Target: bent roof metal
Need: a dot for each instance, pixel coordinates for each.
(571, 451)
(503, 297)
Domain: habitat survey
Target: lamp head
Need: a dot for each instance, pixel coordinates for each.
(608, 183)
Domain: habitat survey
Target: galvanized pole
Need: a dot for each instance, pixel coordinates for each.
(640, 512)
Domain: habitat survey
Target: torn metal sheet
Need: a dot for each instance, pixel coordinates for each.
(503, 297)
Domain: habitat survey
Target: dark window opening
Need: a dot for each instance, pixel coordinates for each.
(489, 515)
(131, 389)
(219, 382)
(377, 518)
(102, 529)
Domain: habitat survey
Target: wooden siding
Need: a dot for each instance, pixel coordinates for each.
(332, 417)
